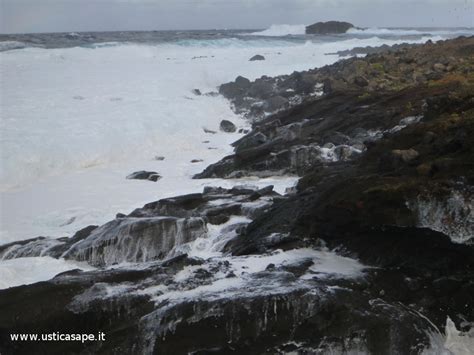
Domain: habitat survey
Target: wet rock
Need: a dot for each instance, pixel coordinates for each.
(227, 126)
(275, 103)
(261, 89)
(145, 175)
(257, 57)
(236, 88)
(210, 131)
(132, 240)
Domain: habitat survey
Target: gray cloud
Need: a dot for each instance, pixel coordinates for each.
(108, 15)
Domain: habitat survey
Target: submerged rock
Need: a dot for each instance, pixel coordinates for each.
(257, 57)
(145, 175)
(227, 126)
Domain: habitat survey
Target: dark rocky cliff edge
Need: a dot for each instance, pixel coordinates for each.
(384, 146)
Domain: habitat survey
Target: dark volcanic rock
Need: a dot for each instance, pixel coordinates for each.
(276, 103)
(227, 126)
(152, 232)
(236, 88)
(118, 303)
(145, 175)
(257, 57)
(330, 27)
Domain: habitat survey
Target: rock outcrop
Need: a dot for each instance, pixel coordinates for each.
(327, 28)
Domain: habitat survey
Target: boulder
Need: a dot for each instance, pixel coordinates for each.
(235, 88)
(330, 27)
(227, 126)
(257, 57)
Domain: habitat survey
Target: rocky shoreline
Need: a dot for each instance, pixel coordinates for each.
(372, 251)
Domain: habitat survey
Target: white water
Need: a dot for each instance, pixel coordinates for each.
(452, 342)
(296, 30)
(376, 31)
(76, 121)
(282, 30)
(24, 271)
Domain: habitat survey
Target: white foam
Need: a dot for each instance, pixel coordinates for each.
(410, 32)
(24, 271)
(282, 30)
(9, 45)
(326, 264)
(453, 342)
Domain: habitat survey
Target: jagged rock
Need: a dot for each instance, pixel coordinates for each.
(145, 175)
(257, 57)
(197, 92)
(330, 27)
(227, 126)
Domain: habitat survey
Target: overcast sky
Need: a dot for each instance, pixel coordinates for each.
(20, 16)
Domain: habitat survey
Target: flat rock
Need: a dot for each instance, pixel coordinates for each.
(145, 175)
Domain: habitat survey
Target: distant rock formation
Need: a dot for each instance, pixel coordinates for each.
(330, 27)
